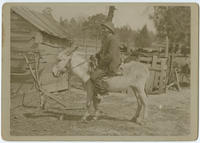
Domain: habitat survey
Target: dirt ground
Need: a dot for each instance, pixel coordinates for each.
(169, 115)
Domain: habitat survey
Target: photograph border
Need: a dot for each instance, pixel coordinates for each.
(5, 99)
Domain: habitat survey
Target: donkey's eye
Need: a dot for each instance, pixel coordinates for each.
(58, 60)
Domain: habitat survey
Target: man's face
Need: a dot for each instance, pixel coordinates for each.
(105, 31)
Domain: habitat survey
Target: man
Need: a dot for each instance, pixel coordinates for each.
(108, 58)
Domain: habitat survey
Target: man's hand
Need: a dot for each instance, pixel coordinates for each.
(97, 55)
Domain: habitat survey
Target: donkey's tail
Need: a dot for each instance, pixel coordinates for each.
(145, 89)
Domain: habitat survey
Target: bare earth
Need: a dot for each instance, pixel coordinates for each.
(169, 115)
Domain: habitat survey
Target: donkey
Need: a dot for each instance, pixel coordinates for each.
(134, 76)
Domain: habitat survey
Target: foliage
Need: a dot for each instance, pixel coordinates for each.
(90, 28)
(174, 22)
(73, 26)
(126, 34)
(142, 38)
(92, 25)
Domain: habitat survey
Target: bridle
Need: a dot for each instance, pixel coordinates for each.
(69, 65)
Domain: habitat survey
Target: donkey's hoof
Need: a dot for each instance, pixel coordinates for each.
(84, 121)
(134, 119)
(101, 113)
(95, 118)
(140, 121)
(42, 107)
(61, 117)
(137, 120)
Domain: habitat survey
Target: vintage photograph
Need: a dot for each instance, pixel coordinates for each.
(101, 69)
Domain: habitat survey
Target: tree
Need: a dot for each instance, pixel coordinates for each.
(81, 26)
(92, 24)
(73, 26)
(125, 33)
(143, 39)
(173, 22)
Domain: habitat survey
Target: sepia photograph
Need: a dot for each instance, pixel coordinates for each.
(100, 71)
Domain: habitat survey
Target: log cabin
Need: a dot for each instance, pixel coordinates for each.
(36, 32)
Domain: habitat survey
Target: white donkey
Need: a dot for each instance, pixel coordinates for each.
(134, 76)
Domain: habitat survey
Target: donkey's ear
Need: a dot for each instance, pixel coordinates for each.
(62, 55)
(73, 50)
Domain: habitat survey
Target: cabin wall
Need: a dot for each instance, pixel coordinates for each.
(22, 41)
(25, 37)
(22, 33)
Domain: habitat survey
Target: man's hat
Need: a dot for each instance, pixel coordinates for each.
(109, 25)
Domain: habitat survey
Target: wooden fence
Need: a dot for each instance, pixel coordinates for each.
(158, 74)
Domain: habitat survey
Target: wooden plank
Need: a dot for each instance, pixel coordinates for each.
(150, 80)
(16, 29)
(19, 35)
(153, 76)
(19, 22)
(156, 80)
(21, 39)
(156, 69)
(21, 46)
(149, 84)
(162, 76)
(147, 60)
(24, 37)
(160, 60)
(177, 80)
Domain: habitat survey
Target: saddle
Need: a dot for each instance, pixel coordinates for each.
(99, 76)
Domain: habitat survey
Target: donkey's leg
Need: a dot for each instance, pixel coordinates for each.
(144, 102)
(96, 102)
(90, 93)
(43, 100)
(139, 105)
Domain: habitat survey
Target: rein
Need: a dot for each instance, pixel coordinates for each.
(70, 66)
(78, 64)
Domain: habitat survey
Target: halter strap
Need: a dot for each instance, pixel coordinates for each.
(77, 64)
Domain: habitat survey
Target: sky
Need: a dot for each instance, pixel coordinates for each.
(134, 15)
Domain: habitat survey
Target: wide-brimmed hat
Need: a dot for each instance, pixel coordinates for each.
(109, 25)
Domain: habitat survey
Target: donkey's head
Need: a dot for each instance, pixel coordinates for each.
(63, 64)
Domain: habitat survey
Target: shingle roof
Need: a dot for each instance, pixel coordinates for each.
(43, 22)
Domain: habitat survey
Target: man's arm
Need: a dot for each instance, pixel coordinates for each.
(114, 52)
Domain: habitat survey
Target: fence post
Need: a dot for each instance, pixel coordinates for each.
(154, 73)
(68, 80)
(162, 85)
(150, 84)
(167, 47)
(85, 48)
(96, 42)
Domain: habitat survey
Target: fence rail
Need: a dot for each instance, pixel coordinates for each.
(158, 72)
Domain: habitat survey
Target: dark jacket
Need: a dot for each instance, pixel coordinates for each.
(109, 55)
